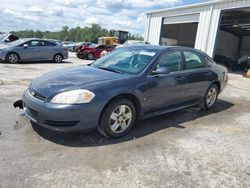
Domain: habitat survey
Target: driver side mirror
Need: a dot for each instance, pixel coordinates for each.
(161, 70)
(25, 46)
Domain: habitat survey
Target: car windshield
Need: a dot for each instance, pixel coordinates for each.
(126, 60)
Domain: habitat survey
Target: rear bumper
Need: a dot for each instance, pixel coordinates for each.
(65, 55)
(58, 117)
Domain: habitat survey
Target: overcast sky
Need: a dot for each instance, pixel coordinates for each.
(52, 15)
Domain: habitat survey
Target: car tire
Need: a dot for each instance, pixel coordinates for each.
(12, 58)
(90, 56)
(58, 58)
(210, 97)
(117, 118)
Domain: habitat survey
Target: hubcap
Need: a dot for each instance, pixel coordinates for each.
(211, 96)
(58, 58)
(120, 118)
(13, 58)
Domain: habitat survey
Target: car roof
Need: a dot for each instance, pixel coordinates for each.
(161, 48)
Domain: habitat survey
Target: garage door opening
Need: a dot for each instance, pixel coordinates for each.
(181, 34)
(233, 39)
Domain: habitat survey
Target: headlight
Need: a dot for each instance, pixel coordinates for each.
(73, 97)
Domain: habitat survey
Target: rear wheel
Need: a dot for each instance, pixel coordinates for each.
(210, 97)
(58, 58)
(117, 118)
(12, 58)
(90, 56)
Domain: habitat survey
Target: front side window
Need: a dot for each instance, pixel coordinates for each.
(172, 61)
(193, 60)
(34, 43)
(208, 61)
(124, 60)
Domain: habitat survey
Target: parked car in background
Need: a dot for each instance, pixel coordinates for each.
(7, 37)
(82, 44)
(132, 42)
(69, 45)
(32, 50)
(129, 83)
(92, 51)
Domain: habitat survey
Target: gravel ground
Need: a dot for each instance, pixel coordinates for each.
(188, 148)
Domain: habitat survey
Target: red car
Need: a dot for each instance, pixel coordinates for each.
(92, 51)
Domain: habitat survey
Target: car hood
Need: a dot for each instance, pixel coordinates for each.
(79, 77)
(3, 46)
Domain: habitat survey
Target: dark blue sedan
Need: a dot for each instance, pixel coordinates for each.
(129, 83)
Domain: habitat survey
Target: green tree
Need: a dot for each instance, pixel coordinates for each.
(78, 34)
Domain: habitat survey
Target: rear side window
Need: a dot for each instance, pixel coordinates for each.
(46, 43)
(193, 60)
(172, 61)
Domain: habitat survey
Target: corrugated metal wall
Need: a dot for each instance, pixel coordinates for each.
(208, 21)
(154, 29)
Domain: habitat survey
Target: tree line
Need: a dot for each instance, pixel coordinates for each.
(78, 34)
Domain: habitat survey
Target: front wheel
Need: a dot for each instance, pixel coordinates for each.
(90, 56)
(58, 58)
(210, 97)
(12, 58)
(117, 118)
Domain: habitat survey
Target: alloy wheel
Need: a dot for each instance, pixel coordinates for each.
(211, 96)
(90, 56)
(58, 58)
(120, 118)
(13, 58)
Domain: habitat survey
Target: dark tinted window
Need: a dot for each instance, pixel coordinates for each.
(54, 43)
(193, 60)
(172, 61)
(101, 47)
(46, 43)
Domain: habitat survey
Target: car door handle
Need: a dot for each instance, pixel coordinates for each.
(180, 78)
(207, 73)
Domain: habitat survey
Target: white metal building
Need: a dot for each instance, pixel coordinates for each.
(220, 27)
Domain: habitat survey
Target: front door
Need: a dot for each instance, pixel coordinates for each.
(168, 90)
(31, 51)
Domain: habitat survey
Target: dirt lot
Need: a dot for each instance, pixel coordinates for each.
(188, 148)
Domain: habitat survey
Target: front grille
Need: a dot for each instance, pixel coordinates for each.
(37, 95)
(61, 123)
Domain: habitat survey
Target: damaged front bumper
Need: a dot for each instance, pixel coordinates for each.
(61, 117)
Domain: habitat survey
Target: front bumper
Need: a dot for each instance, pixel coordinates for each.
(81, 54)
(59, 117)
(2, 56)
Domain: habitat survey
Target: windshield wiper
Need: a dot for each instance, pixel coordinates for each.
(109, 69)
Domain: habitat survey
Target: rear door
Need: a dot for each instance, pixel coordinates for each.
(47, 50)
(198, 74)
